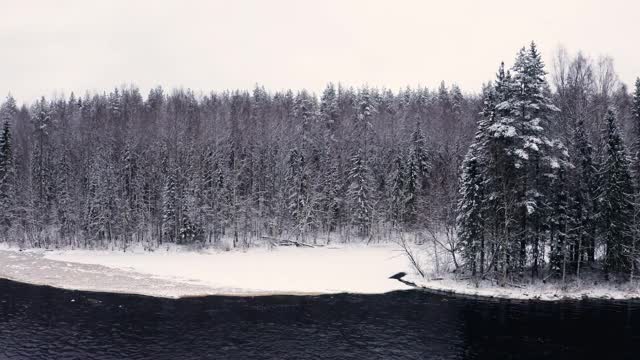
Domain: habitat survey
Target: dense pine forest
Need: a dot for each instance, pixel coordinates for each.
(537, 174)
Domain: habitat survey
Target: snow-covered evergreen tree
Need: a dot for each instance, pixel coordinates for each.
(457, 103)
(583, 196)
(298, 192)
(7, 178)
(635, 113)
(8, 188)
(329, 110)
(171, 207)
(359, 194)
(420, 156)
(99, 213)
(508, 171)
(470, 219)
(363, 122)
(397, 189)
(41, 165)
(524, 122)
(411, 189)
(483, 208)
(635, 148)
(615, 199)
(330, 201)
(559, 220)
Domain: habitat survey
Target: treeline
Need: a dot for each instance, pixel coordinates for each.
(117, 169)
(550, 182)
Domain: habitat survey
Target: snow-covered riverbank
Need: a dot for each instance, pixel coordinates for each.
(536, 291)
(260, 271)
(176, 273)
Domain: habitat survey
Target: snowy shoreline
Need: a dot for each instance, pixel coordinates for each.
(258, 272)
(178, 273)
(535, 292)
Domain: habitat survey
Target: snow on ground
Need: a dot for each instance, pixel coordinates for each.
(174, 273)
(261, 271)
(31, 267)
(535, 291)
(440, 278)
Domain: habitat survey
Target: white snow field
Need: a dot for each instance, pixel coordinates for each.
(179, 273)
(175, 273)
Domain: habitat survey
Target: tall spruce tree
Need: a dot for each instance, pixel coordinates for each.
(635, 113)
(583, 196)
(615, 199)
(298, 192)
(7, 178)
(511, 182)
(560, 221)
(411, 196)
(41, 165)
(528, 110)
(479, 206)
(329, 176)
(171, 206)
(470, 210)
(397, 191)
(359, 194)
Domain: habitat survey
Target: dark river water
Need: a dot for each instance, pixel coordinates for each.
(45, 323)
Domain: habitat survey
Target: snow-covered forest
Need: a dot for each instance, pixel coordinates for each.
(177, 167)
(536, 174)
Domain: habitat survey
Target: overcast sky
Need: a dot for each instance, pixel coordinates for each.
(62, 46)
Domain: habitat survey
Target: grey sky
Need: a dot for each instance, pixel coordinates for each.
(60, 46)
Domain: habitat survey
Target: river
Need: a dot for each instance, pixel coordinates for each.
(39, 322)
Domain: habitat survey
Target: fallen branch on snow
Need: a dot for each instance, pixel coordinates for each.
(285, 242)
